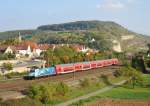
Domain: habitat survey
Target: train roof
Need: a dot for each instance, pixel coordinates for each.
(74, 63)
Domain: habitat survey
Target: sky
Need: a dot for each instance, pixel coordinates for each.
(29, 14)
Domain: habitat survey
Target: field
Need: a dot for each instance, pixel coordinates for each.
(112, 102)
(128, 93)
(121, 95)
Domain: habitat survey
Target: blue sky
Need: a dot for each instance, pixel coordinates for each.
(26, 14)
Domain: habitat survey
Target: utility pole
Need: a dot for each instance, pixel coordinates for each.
(74, 68)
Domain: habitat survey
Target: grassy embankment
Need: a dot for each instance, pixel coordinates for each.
(84, 87)
(77, 91)
(123, 92)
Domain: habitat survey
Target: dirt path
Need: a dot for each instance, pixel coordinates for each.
(91, 94)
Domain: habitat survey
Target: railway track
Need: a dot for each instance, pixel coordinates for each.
(21, 84)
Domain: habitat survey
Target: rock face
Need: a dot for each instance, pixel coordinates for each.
(117, 46)
(127, 37)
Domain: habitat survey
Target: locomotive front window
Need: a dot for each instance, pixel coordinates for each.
(32, 71)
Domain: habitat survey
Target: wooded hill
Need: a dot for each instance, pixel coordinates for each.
(106, 35)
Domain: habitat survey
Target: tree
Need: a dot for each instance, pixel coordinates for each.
(138, 63)
(66, 54)
(48, 56)
(134, 75)
(65, 59)
(7, 66)
(148, 45)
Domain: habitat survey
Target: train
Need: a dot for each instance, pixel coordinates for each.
(69, 68)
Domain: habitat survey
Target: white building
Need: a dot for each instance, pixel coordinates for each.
(23, 50)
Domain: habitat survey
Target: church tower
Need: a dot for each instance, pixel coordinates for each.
(19, 38)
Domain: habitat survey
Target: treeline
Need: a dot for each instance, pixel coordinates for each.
(82, 25)
(69, 55)
(12, 34)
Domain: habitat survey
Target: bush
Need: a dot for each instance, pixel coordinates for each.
(21, 102)
(1, 100)
(7, 66)
(34, 92)
(47, 93)
(17, 74)
(85, 83)
(62, 89)
(118, 73)
(42, 93)
(8, 76)
(105, 79)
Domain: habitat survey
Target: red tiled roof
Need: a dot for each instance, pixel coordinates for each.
(77, 47)
(45, 46)
(3, 47)
(21, 47)
(33, 45)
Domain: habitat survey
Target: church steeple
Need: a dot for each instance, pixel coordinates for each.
(19, 37)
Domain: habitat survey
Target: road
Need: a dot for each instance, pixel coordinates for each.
(28, 63)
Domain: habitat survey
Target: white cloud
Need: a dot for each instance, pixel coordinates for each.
(111, 5)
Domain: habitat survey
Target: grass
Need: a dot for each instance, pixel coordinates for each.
(122, 93)
(79, 91)
(125, 93)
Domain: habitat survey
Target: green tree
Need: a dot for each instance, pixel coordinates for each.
(48, 56)
(7, 66)
(65, 54)
(138, 63)
(134, 76)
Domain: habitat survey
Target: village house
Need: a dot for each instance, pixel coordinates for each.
(32, 49)
(6, 49)
(23, 50)
(80, 48)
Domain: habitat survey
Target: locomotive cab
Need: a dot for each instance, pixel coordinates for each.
(31, 73)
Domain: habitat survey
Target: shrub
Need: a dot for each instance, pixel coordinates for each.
(105, 79)
(21, 102)
(7, 66)
(34, 92)
(118, 73)
(1, 100)
(8, 76)
(62, 89)
(47, 93)
(85, 83)
(42, 92)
